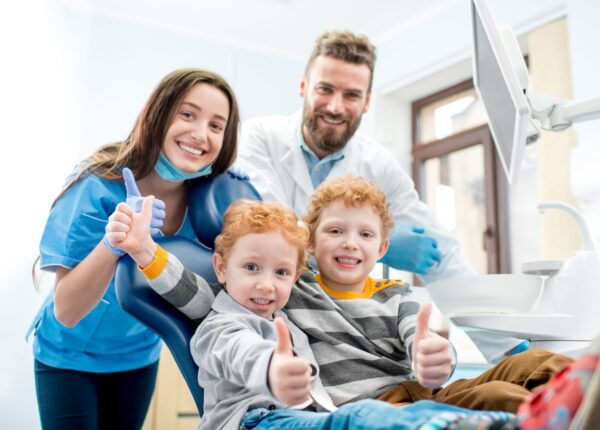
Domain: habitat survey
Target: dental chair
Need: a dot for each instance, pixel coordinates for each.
(208, 200)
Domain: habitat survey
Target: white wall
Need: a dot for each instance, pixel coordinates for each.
(443, 38)
(70, 81)
(119, 63)
(584, 34)
(35, 140)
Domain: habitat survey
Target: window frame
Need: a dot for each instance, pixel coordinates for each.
(495, 236)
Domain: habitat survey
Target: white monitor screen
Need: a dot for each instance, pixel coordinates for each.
(499, 89)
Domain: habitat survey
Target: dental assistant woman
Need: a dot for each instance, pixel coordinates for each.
(95, 366)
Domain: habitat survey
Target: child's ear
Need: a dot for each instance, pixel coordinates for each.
(219, 266)
(310, 248)
(384, 247)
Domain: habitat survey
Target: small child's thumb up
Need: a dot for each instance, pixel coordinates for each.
(146, 212)
(288, 375)
(283, 342)
(422, 329)
(432, 354)
(423, 315)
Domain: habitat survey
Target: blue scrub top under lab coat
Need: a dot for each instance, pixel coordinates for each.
(107, 339)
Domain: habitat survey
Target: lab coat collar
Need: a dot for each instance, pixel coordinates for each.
(295, 158)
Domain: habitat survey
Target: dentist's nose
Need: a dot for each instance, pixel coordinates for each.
(335, 104)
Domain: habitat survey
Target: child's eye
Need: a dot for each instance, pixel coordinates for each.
(251, 267)
(282, 272)
(187, 115)
(367, 234)
(335, 230)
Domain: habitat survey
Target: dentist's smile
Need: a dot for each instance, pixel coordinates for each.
(331, 121)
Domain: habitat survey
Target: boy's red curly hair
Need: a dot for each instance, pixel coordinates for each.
(355, 192)
(250, 216)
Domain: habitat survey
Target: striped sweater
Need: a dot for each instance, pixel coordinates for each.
(361, 341)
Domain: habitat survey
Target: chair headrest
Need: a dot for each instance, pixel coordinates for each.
(210, 197)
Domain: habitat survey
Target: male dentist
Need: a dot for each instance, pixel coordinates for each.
(286, 158)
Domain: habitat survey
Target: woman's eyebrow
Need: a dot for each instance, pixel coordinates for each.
(195, 106)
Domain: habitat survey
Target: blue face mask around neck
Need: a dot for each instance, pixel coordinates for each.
(167, 170)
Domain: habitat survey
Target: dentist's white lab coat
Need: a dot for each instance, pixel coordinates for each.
(270, 153)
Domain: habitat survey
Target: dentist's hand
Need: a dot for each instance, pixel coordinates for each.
(130, 231)
(432, 355)
(411, 250)
(134, 199)
(236, 172)
(288, 375)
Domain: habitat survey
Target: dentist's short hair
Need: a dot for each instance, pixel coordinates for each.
(346, 46)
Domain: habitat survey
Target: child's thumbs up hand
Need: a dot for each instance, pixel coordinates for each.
(432, 356)
(288, 375)
(130, 231)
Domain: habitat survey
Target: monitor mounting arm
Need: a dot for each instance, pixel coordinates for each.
(557, 115)
(552, 114)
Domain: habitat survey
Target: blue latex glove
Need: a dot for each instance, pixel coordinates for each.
(411, 250)
(135, 200)
(117, 251)
(236, 172)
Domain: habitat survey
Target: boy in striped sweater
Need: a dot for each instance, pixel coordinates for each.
(349, 222)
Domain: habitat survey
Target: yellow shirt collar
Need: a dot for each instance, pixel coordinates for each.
(371, 287)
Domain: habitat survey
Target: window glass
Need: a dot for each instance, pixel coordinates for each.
(449, 116)
(454, 189)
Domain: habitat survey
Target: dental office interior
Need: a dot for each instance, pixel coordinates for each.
(76, 73)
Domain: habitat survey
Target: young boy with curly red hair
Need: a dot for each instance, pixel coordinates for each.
(349, 223)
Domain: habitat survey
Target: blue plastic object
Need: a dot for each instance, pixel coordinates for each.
(522, 347)
(117, 251)
(135, 200)
(411, 249)
(236, 172)
(208, 200)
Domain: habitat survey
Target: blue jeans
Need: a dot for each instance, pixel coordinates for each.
(368, 414)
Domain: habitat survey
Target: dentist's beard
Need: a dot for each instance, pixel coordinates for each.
(327, 139)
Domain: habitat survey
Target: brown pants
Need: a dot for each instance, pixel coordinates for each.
(501, 388)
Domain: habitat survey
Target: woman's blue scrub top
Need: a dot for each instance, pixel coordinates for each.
(108, 339)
